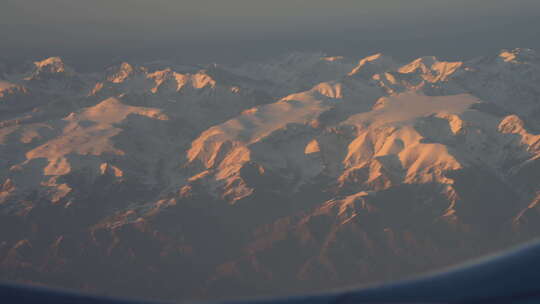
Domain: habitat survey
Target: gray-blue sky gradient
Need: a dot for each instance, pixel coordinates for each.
(213, 27)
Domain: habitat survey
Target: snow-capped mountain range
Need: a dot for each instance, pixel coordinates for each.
(292, 175)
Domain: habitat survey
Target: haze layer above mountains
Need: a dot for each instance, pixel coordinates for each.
(88, 34)
(290, 175)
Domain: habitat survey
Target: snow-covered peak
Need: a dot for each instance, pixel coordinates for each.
(89, 131)
(330, 89)
(519, 55)
(201, 80)
(51, 65)
(377, 63)
(431, 68)
(422, 63)
(513, 124)
(120, 73)
(198, 80)
(162, 77)
(50, 68)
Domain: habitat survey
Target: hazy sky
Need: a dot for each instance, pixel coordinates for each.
(223, 29)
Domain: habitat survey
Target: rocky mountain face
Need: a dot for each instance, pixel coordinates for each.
(299, 174)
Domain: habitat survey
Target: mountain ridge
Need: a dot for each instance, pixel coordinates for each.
(278, 177)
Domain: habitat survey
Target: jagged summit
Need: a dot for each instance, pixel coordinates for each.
(431, 68)
(377, 63)
(52, 67)
(120, 73)
(54, 75)
(198, 80)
